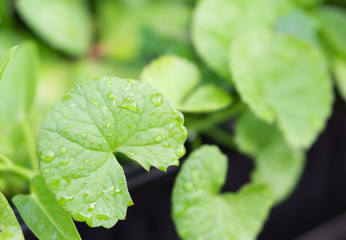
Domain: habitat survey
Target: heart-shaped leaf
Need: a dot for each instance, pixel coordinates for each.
(43, 215)
(285, 79)
(92, 122)
(201, 212)
(276, 163)
(179, 80)
(9, 226)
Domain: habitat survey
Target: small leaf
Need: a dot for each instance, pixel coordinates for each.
(92, 122)
(284, 79)
(333, 21)
(217, 22)
(17, 89)
(276, 163)
(43, 215)
(179, 80)
(339, 67)
(201, 212)
(9, 226)
(64, 24)
(5, 62)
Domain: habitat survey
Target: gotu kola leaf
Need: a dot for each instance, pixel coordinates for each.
(9, 226)
(43, 215)
(201, 212)
(179, 80)
(276, 163)
(6, 61)
(217, 22)
(283, 79)
(92, 122)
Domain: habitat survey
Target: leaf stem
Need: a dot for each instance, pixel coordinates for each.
(23, 171)
(5, 159)
(221, 136)
(31, 146)
(216, 118)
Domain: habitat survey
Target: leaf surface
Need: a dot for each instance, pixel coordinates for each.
(217, 22)
(180, 81)
(64, 24)
(276, 163)
(5, 62)
(43, 215)
(9, 226)
(92, 122)
(201, 212)
(283, 79)
(17, 89)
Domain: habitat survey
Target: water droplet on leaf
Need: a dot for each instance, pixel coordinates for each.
(156, 99)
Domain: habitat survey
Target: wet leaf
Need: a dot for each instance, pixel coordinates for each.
(92, 122)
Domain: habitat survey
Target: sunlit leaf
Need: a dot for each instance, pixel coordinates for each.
(200, 211)
(179, 80)
(283, 79)
(90, 124)
(43, 215)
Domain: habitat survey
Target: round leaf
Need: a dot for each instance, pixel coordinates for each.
(92, 122)
(284, 79)
(200, 212)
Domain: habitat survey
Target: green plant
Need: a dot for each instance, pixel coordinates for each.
(267, 65)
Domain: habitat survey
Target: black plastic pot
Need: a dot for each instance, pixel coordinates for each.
(313, 212)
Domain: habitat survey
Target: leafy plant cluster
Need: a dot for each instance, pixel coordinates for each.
(267, 64)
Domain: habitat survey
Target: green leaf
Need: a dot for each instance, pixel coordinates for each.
(9, 226)
(333, 21)
(64, 24)
(339, 67)
(43, 215)
(217, 22)
(284, 79)
(300, 24)
(201, 212)
(5, 62)
(179, 80)
(6, 146)
(17, 89)
(276, 163)
(90, 124)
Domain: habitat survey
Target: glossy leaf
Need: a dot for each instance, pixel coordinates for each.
(90, 124)
(333, 21)
(201, 212)
(179, 80)
(63, 24)
(276, 163)
(217, 22)
(17, 89)
(9, 226)
(339, 67)
(43, 215)
(5, 62)
(277, 87)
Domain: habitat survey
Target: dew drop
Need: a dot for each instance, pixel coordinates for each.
(65, 161)
(139, 136)
(91, 206)
(81, 167)
(132, 154)
(108, 125)
(156, 99)
(165, 145)
(158, 138)
(63, 150)
(110, 134)
(152, 112)
(130, 105)
(180, 151)
(84, 135)
(49, 156)
(96, 104)
(110, 96)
